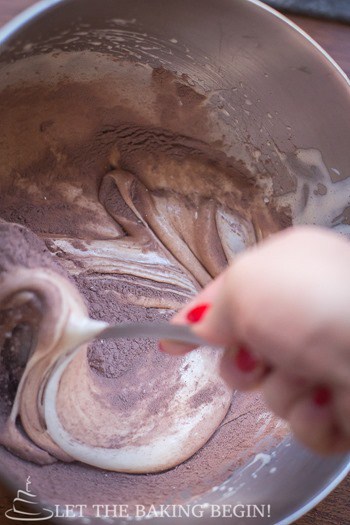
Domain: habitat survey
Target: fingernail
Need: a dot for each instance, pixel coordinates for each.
(322, 396)
(196, 314)
(161, 347)
(245, 361)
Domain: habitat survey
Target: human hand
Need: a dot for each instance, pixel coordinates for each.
(282, 311)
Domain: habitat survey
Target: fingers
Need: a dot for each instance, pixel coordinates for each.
(307, 409)
(282, 391)
(318, 415)
(241, 369)
(314, 424)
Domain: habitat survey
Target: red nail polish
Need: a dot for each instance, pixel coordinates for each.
(322, 396)
(196, 314)
(245, 361)
(160, 347)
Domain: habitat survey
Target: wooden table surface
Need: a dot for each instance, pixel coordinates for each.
(334, 38)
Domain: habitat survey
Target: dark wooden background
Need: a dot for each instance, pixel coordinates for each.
(335, 38)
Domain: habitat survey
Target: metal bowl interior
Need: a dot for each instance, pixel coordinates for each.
(297, 118)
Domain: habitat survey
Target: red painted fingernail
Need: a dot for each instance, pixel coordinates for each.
(160, 347)
(245, 361)
(196, 314)
(322, 396)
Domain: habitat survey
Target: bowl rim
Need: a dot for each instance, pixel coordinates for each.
(301, 31)
(319, 497)
(40, 6)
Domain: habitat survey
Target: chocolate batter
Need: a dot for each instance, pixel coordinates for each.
(122, 178)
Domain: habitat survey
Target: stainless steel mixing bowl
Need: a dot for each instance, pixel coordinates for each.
(281, 94)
